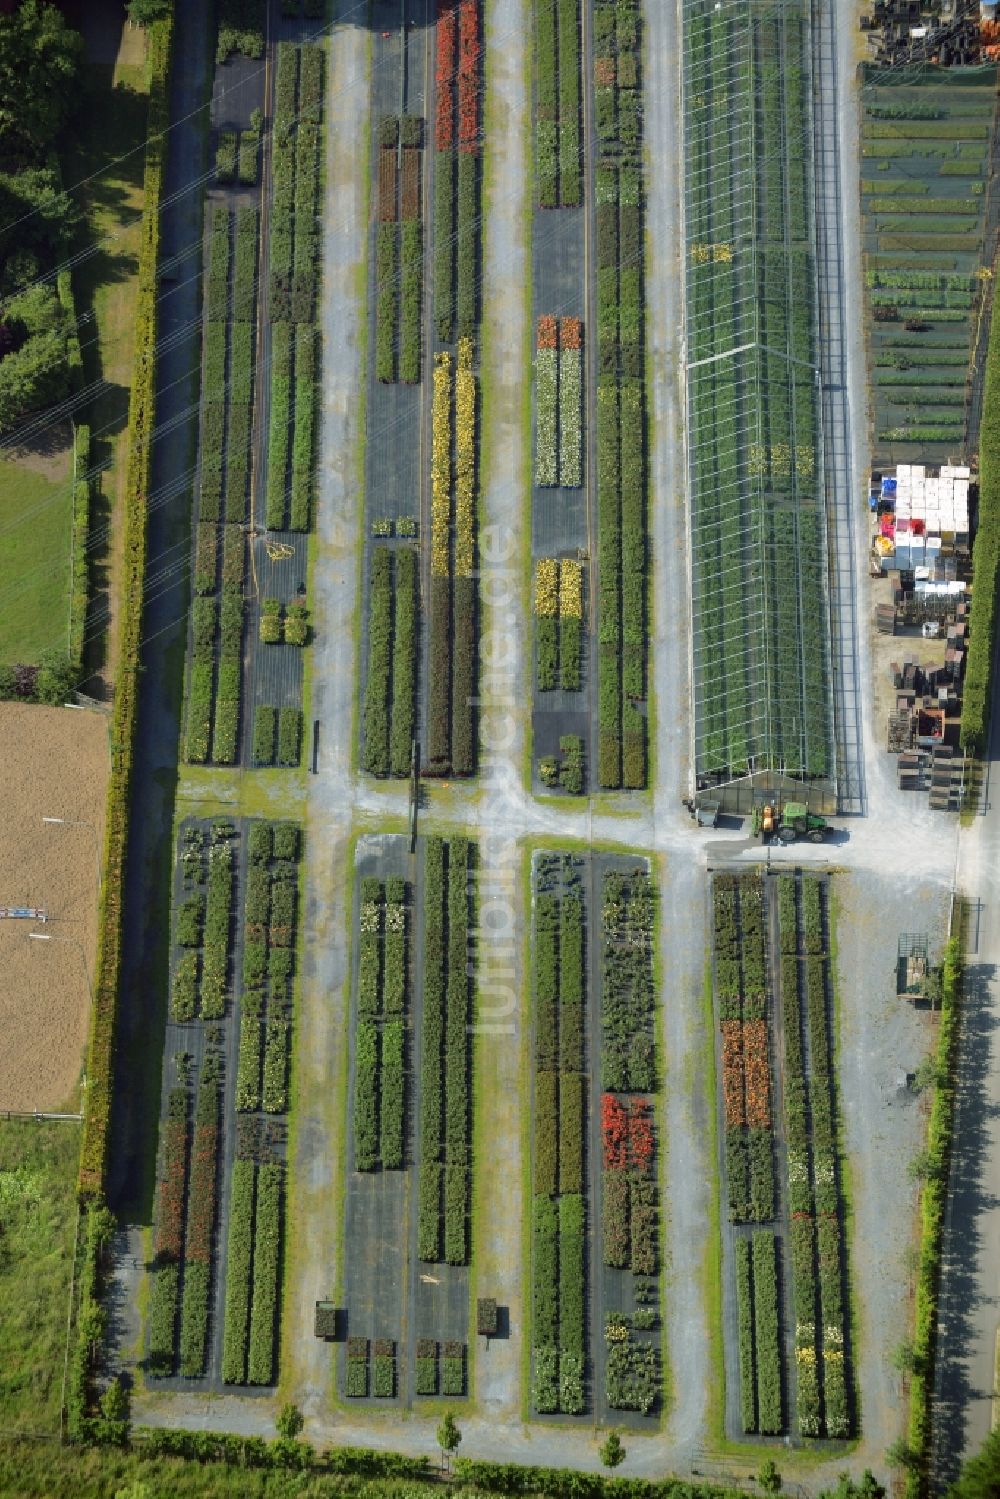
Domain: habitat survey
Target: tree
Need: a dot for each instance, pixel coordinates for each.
(55, 678)
(867, 1487)
(611, 1452)
(290, 1421)
(39, 57)
(904, 1357)
(901, 1455)
(926, 1074)
(448, 1436)
(145, 12)
(113, 1422)
(980, 1475)
(769, 1478)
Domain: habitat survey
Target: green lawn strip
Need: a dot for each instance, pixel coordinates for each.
(38, 1163)
(36, 515)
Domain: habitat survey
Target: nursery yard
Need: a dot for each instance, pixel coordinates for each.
(56, 764)
(462, 1090)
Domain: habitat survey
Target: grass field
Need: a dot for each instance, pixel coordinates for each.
(35, 525)
(37, 1224)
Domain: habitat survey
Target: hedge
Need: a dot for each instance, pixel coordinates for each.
(142, 422)
(978, 685)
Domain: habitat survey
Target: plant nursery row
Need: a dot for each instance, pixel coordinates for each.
(630, 1200)
(294, 255)
(569, 1288)
(399, 252)
(452, 664)
(620, 411)
(558, 402)
(558, 1265)
(818, 1248)
(444, 1147)
(457, 168)
(390, 685)
(191, 1182)
(558, 154)
(229, 356)
(741, 989)
(381, 1035)
(803, 1248)
(559, 623)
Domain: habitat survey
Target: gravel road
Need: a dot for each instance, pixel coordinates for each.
(318, 1142)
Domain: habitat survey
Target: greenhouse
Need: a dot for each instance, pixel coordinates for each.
(758, 527)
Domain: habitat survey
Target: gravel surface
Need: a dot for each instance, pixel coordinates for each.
(318, 1142)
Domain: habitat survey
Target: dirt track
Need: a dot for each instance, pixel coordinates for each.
(54, 764)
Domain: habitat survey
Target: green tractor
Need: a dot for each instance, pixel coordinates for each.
(788, 823)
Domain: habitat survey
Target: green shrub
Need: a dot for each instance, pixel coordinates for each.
(386, 301)
(375, 753)
(412, 258)
(266, 1273)
(238, 1259)
(289, 736)
(264, 728)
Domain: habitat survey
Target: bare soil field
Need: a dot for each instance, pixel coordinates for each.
(54, 762)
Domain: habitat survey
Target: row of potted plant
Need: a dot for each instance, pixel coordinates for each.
(558, 162)
(203, 927)
(558, 623)
(444, 1146)
(440, 1367)
(388, 711)
(559, 402)
(746, 1076)
(627, 994)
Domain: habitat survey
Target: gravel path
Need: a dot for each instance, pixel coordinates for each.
(687, 1165)
(318, 1143)
(506, 694)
